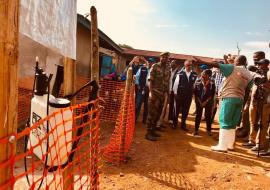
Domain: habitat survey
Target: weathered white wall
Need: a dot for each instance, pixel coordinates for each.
(28, 51)
(51, 23)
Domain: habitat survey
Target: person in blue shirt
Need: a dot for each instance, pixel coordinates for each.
(142, 95)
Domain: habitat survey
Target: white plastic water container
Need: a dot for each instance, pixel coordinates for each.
(60, 129)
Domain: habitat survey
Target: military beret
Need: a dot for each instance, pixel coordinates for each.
(263, 61)
(166, 53)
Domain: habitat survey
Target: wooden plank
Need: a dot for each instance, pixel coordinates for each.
(107, 51)
(9, 30)
(69, 88)
(69, 76)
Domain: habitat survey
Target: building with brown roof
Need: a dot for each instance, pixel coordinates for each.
(130, 53)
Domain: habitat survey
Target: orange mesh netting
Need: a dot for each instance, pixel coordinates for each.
(116, 151)
(119, 107)
(48, 152)
(110, 91)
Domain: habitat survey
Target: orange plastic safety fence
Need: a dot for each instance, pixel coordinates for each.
(116, 151)
(116, 103)
(66, 139)
(111, 92)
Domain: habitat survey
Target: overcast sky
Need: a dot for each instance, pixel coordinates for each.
(198, 27)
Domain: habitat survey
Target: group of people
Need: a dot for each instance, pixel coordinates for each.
(241, 94)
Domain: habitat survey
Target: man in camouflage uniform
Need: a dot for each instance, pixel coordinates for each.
(158, 87)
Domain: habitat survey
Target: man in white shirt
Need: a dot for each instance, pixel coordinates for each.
(183, 91)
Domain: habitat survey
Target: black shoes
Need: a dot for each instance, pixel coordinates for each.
(163, 126)
(267, 153)
(150, 137)
(155, 134)
(249, 144)
(173, 127)
(196, 133)
(160, 129)
(256, 148)
(184, 127)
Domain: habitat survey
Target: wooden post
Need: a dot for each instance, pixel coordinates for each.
(94, 48)
(94, 73)
(69, 88)
(69, 76)
(9, 30)
(129, 80)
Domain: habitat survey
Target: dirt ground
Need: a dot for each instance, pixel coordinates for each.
(181, 161)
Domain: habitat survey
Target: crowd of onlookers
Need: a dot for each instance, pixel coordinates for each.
(240, 92)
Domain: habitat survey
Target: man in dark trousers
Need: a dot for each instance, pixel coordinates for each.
(204, 91)
(143, 89)
(158, 87)
(175, 69)
(183, 90)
